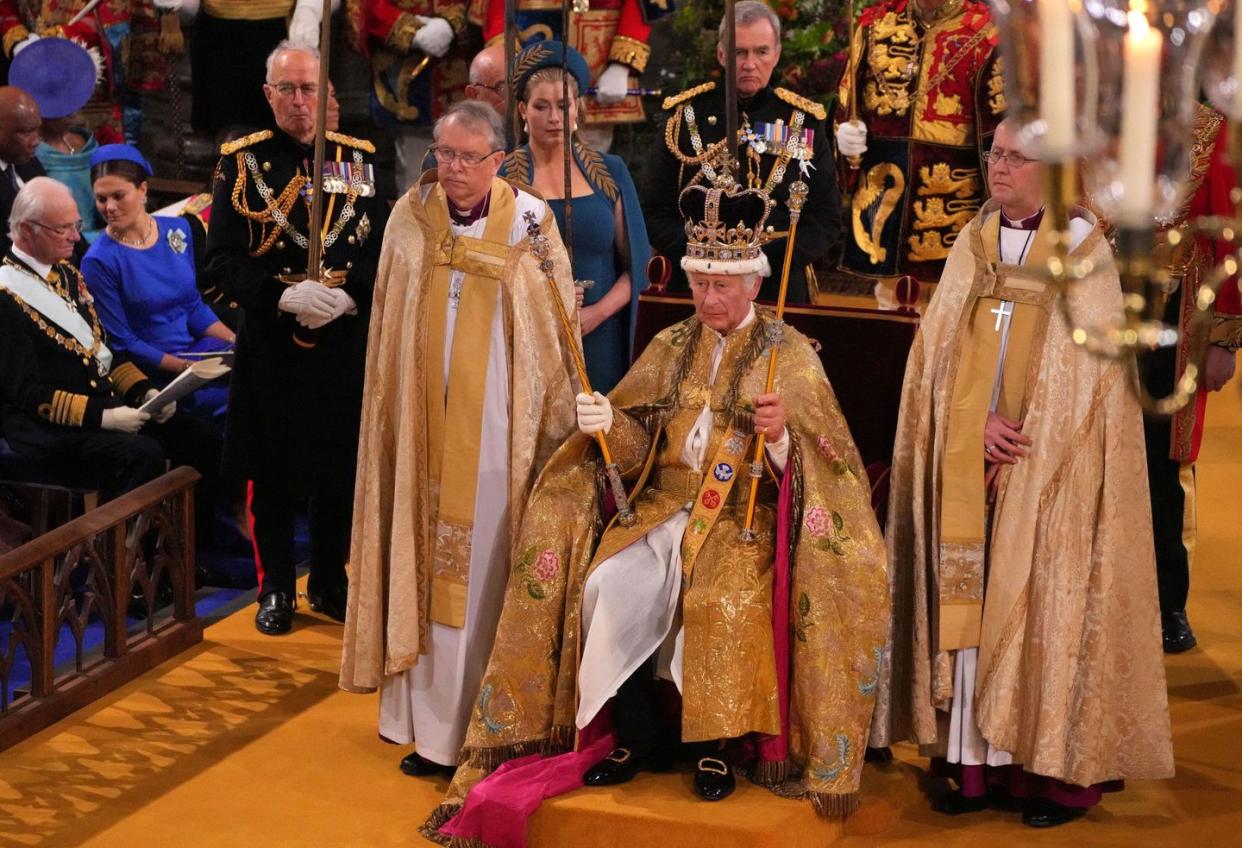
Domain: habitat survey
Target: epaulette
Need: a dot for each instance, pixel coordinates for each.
(676, 99)
(350, 141)
(799, 102)
(231, 147)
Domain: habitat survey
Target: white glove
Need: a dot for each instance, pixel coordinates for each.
(304, 25)
(852, 138)
(342, 303)
(612, 84)
(434, 36)
(24, 43)
(594, 413)
(169, 5)
(123, 419)
(309, 299)
(165, 412)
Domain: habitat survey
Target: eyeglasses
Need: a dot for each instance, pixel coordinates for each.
(495, 87)
(63, 230)
(288, 89)
(468, 160)
(1013, 160)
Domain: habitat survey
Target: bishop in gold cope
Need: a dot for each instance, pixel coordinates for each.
(1025, 650)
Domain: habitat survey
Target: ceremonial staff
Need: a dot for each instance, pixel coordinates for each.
(510, 55)
(314, 254)
(730, 148)
(797, 197)
(851, 68)
(567, 134)
(541, 250)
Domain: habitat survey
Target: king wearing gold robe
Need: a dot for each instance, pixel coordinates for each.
(773, 643)
(467, 394)
(1025, 652)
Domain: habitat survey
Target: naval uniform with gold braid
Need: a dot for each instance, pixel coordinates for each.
(54, 391)
(692, 137)
(294, 410)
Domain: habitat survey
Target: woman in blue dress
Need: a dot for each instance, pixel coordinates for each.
(141, 272)
(608, 242)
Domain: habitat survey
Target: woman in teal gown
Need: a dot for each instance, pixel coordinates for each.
(607, 239)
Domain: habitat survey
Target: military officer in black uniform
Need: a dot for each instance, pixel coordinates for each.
(783, 136)
(296, 392)
(68, 401)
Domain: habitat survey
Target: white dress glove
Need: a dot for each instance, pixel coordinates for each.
(309, 299)
(169, 5)
(304, 25)
(24, 43)
(166, 412)
(612, 84)
(123, 419)
(852, 138)
(434, 36)
(341, 304)
(594, 413)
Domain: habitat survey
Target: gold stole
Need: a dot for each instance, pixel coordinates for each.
(963, 496)
(729, 461)
(455, 412)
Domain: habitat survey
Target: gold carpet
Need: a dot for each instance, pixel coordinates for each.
(246, 741)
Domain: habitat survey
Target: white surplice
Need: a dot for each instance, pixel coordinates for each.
(430, 704)
(966, 744)
(631, 602)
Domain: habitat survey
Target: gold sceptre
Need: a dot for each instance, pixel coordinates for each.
(851, 68)
(797, 196)
(540, 250)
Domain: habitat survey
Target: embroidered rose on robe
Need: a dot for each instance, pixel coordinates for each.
(816, 521)
(547, 567)
(824, 445)
(826, 528)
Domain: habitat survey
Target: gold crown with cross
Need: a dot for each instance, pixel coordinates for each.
(715, 247)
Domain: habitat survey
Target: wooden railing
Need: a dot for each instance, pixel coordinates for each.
(127, 566)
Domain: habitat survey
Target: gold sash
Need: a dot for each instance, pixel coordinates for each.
(963, 497)
(455, 411)
(727, 464)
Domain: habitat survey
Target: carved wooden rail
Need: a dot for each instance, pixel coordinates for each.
(121, 558)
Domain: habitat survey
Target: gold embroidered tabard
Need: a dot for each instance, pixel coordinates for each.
(963, 516)
(455, 410)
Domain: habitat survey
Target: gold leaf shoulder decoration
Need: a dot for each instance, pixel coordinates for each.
(231, 147)
(596, 170)
(799, 102)
(677, 99)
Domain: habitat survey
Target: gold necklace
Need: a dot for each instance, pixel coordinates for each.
(141, 241)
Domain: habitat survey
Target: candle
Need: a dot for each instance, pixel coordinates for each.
(1237, 61)
(1140, 112)
(1056, 76)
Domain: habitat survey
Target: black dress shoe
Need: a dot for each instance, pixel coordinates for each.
(1178, 636)
(878, 755)
(1040, 812)
(417, 766)
(713, 779)
(619, 766)
(330, 600)
(275, 615)
(955, 804)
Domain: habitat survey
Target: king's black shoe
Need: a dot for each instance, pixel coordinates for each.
(1040, 812)
(275, 615)
(417, 766)
(330, 600)
(619, 766)
(713, 779)
(955, 804)
(1178, 637)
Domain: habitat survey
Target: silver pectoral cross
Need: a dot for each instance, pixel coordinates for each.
(1004, 316)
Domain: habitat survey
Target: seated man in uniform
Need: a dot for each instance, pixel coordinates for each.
(773, 641)
(69, 401)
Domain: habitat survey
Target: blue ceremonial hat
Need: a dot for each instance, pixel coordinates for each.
(58, 73)
(112, 152)
(548, 54)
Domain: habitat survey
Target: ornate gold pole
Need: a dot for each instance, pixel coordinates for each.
(797, 197)
(539, 249)
(851, 68)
